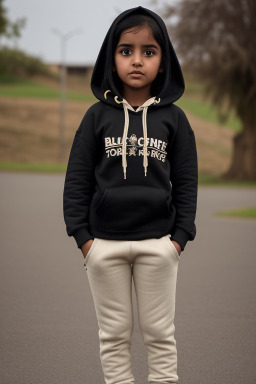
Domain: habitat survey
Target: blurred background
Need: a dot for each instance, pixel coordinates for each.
(47, 53)
(49, 331)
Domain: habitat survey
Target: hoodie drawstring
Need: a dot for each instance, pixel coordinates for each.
(126, 126)
(143, 107)
(145, 131)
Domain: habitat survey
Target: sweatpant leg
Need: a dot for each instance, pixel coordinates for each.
(110, 278)
(155, 266)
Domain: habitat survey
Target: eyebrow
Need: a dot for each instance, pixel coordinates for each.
(144, 46)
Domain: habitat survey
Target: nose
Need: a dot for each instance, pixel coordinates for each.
(137, 59)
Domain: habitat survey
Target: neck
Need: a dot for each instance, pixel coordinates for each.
(136, 97)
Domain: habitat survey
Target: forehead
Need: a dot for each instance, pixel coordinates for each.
(138, 34)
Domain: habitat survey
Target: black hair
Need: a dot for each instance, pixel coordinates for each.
(135, 20)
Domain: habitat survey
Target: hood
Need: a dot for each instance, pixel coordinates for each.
(171, 89)
(173, 84)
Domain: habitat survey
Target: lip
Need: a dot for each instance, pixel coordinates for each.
(136, 74)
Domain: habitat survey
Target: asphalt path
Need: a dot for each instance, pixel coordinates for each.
(49, 331)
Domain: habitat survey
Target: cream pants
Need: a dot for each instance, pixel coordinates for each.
(153, 264)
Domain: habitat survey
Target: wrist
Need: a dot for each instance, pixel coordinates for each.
(181, 237)
(177, 246)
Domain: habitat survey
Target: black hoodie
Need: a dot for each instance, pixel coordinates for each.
(118, 188)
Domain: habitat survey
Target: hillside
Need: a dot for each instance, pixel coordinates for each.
(29, 126)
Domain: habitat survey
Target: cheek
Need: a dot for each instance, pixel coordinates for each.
(157, 66)
(118, 63)
(155, 69)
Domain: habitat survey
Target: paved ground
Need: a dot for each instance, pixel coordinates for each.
(49, 332)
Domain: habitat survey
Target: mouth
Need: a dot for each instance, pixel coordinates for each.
(136, 74)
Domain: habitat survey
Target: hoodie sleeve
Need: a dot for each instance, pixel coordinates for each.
(79, 181)
(184, 179)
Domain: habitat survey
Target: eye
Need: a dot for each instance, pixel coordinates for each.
(124, 51)
(149, 52)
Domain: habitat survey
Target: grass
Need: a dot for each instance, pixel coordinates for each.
(206, 111)
(28, 88)
(9, 79)
(204, 180)
(248, 213)
(218, 181)
(33, 167)
(193, 87)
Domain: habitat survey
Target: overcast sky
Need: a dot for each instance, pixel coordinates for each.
(94, 17)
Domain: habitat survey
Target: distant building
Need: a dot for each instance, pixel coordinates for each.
(72, 69)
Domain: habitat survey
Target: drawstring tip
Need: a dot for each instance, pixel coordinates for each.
(145, 172)
(124, 175)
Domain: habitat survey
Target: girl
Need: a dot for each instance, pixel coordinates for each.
(130, 193)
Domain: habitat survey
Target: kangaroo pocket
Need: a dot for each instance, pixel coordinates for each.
(130, 208)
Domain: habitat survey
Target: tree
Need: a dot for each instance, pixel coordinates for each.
(7, 28)
(14, 62)
(217, 42)
(3, 19)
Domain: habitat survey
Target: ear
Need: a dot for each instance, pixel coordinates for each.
(113, 68)
(161, 69)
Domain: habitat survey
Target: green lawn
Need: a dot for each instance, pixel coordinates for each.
(200, 108)
(31, 89)
(204, 180)
(248, 213)
(206, 111)
(217, 181)
(33, 167)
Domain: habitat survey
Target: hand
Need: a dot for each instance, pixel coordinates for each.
(86, 247)
(177, 246)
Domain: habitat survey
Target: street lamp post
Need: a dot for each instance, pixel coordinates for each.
(63, 92)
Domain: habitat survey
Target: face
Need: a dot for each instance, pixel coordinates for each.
(137, 51)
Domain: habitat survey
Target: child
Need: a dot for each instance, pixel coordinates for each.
(130, 193)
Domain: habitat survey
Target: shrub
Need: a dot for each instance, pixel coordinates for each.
(14, 62)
